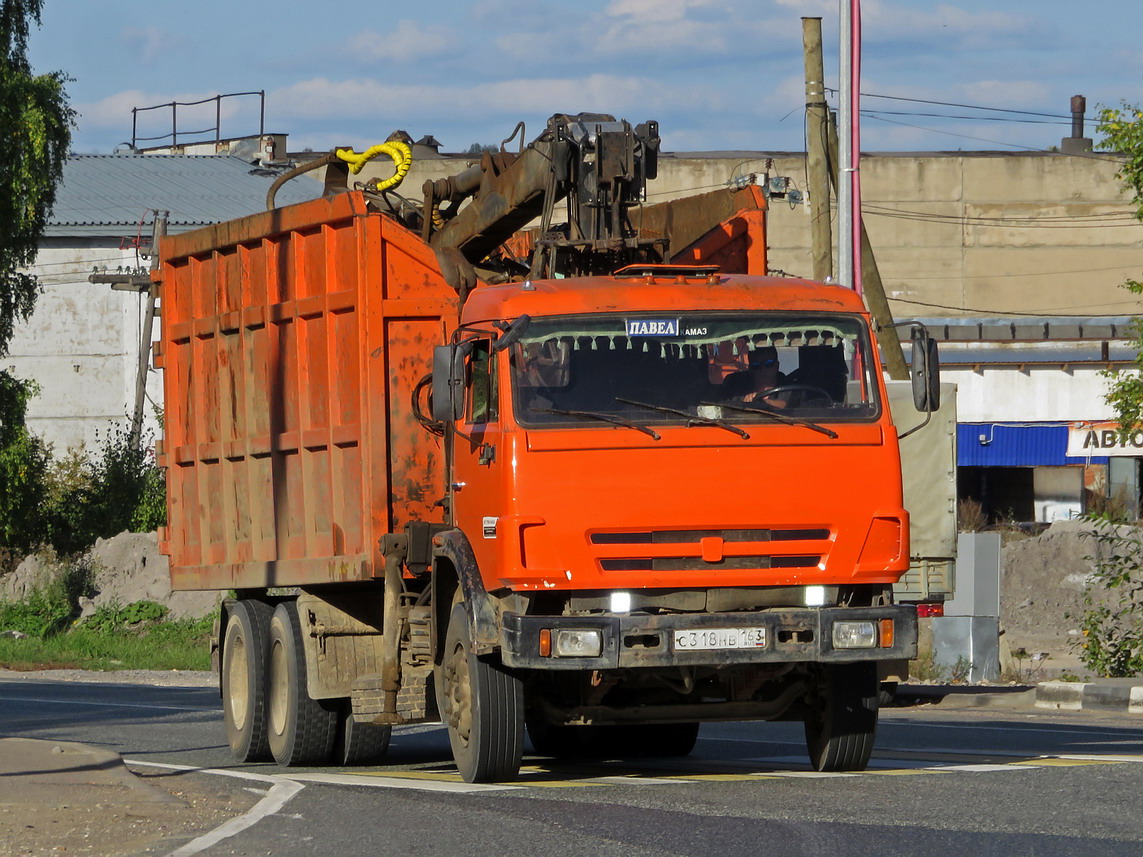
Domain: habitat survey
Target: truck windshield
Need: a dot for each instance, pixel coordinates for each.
(694, 368)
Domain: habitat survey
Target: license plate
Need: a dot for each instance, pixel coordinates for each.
(700, 639)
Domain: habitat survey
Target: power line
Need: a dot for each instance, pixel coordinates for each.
(871, 112)
(1088, 155)
(963, 106)
(1100, 221)
(1024, 314)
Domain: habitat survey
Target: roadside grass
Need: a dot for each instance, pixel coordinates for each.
(135, 636)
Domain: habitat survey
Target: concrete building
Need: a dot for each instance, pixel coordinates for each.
(82, 344)
(1014, 260)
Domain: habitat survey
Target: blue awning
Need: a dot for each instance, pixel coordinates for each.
(1016, 445)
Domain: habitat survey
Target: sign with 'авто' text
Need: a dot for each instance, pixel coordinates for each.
(1086, 440)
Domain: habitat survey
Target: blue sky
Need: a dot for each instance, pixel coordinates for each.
(716, 74)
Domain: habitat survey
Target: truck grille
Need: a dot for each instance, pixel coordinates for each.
(693, 555)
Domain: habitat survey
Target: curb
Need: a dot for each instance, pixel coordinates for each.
(1126, 696)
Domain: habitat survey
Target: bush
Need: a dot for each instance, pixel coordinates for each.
(68, 503)
(52, 607)
(92, 498)
(1112, 620)
(24, 460)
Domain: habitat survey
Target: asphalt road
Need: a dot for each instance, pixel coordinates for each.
(982, 782)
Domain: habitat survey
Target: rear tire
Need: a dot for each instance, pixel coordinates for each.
(483, 706)
(842, 723)
(302, 730)
(360, 743)
(243, 680)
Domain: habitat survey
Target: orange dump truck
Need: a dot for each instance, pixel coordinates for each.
(594, 508)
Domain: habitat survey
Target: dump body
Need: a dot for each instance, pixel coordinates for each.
(292, 341)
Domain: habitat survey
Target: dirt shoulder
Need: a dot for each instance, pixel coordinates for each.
(59, 797)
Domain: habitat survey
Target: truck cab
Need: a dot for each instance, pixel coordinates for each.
(674, 475)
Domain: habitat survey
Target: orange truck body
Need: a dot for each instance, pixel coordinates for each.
(292, 341)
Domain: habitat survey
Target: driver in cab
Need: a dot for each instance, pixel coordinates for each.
(752, 384)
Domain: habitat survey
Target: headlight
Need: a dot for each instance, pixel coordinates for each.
(854, 635)
(568, 643)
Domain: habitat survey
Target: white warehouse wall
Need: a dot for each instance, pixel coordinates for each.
(1009, 394)
(82, 347)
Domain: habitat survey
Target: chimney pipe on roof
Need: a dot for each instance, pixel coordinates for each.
(1077, 143)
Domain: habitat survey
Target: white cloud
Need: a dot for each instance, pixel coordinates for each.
(322, 98)
(408, 41)
(150, 43)
(810, 8)
(886, 22)
(654, 10)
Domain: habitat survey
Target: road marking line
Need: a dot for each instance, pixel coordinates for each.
(280, 793)
(629, 779)
(109, 704)
(398, 781)
(980, 769)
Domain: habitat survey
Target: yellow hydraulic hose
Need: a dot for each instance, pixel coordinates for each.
(401, 154)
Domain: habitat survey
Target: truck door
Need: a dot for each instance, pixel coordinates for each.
(478, 490)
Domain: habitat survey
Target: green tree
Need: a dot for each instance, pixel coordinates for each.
(37, 125)
(1121, 130)
(36, 122)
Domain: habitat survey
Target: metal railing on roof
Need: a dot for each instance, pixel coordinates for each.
(174, 106)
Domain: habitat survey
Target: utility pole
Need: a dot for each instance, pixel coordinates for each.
(817, 163)
(142, 284)
(844, 178)
(874, 292)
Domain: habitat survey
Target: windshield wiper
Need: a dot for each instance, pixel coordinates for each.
(607, 418)
(692, 419)
(782, 418)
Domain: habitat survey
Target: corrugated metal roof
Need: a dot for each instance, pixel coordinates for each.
(103, 194)
(1021, 445)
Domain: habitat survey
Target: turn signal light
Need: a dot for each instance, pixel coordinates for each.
(545, 643)
(886, 635)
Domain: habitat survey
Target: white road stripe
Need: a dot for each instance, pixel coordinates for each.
(110, 704)
(401, 783)
(281, 791)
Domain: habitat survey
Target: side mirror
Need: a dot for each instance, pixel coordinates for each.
(926, 372)
(510, 333)
(448, 381)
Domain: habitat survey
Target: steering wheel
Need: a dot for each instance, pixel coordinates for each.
(804, 389)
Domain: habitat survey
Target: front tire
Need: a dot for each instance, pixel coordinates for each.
(841, 724)
(243, 680)
(483, 706)
(302, 730)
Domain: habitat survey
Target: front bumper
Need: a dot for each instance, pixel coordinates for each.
(800, 635)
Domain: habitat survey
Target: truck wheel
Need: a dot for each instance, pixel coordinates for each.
(842, 722)
(302, 730)
(243, 680)
(360, 743)
(483, 706)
